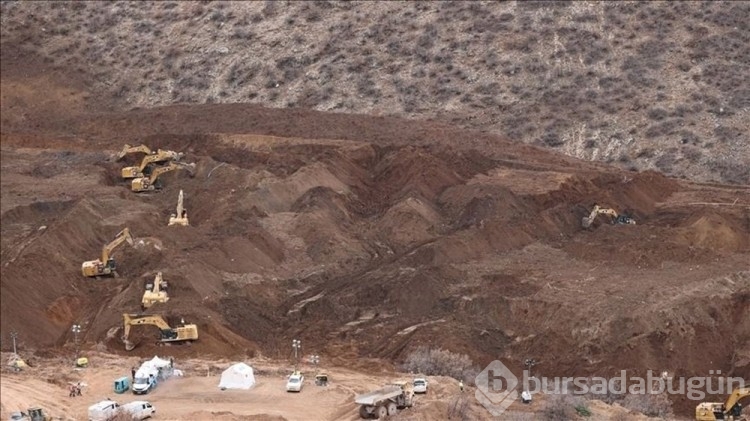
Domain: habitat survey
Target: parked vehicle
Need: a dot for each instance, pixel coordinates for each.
(420, 385)
(321, 379)
(294, 384)
(139, 410)
(145, 380)
(103, 411)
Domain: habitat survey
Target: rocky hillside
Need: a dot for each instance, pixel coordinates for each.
(645, 85)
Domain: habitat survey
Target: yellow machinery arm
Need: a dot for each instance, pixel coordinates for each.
(730, 410)
(180, 217)
(158, 156)
(105, 265)
(155, 294)
(735, 397)
(598, 210)
(127, 149)
(120, 238)
(168, 334)
(179, 205)
(147, 183)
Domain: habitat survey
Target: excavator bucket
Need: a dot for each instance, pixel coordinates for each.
(129, 346)
(586, 222)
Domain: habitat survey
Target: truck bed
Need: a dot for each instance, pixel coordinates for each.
(378, 396)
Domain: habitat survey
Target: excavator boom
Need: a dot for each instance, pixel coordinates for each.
(120, 238)
(155, 294)
(598, 210)
(731, 410)
(186, 332)
(180, 216)
(105, 265)
(735, 397)
(127, 149)
(158, 156)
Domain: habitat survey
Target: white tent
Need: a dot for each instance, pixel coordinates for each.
(238, 376)
(158, 362)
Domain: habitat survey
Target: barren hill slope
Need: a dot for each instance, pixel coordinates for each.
(647, 85)
(363, 236)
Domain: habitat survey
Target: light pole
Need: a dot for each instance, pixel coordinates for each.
(296, 344)
(316, 360)
(76, 330)
(13, 336)
(529, 363)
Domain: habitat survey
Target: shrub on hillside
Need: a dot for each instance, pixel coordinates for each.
(651, 405)
(440, 362)
(564, 407)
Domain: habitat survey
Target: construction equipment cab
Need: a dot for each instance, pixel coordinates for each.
(180, 216)
(142, 184)
(616, 218)
(186, 332)
(157, 293)
(106, 264)
(731, 410)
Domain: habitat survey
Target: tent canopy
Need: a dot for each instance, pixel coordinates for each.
(238, 376)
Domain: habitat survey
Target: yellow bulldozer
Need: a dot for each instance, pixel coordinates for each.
(106, 265)
(180, 216)
(616, 218)
(142, 184)
(185, 332)
(155, 293)
(731, 410)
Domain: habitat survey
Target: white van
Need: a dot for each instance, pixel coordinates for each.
(103, 411)
(145, 380)
(139, 410)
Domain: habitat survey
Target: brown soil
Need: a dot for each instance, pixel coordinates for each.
(366, 236)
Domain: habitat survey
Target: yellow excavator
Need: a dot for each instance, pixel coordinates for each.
(106, 264)
(616, 218)
(127, 149)
(155, 293)
(180, 216)
(149, 183)
(186, 332)
(731, 410)
(144, 168)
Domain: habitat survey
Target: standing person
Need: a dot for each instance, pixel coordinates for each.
(171, 362)
(461, 385)
(132, 372)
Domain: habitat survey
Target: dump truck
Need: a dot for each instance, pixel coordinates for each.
(385, 401)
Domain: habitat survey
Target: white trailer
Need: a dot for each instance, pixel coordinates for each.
(385, 401)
